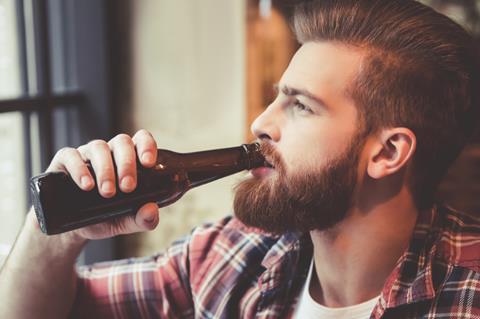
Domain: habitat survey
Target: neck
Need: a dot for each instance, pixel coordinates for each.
(354, 259)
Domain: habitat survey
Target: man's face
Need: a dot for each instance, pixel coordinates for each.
(310, 136)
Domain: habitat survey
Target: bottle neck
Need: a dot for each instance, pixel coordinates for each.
(223, 162)
(253, 156)
(203, 167)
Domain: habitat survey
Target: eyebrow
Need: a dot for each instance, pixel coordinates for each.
(290, 91)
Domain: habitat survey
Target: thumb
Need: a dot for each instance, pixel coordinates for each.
(145, 219)
(147, 216)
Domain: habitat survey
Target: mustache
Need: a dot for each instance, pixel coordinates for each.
(272, 156)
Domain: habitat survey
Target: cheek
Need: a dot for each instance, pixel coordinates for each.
(303, 149)
(311, 145)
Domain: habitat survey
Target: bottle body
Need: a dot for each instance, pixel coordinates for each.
(60, 205)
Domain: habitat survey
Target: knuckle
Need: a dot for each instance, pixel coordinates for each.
(65, 153)
(104, 170)
(126, 167)
(128, 161)
(143, 135)
(122, 138)
(98, 143)
(143, 132)
(122, 225)
(82, 148)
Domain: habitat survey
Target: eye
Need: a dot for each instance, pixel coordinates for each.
(301, 107)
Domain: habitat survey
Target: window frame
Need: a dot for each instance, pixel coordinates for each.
(75, 81)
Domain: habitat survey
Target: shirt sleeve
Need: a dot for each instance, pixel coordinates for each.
(152, 287)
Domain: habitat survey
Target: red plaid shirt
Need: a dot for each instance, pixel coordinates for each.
(227, 270)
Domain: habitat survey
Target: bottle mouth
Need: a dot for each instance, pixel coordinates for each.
(255, 157)
(267, 164)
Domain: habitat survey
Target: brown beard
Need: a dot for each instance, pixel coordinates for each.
(316, 199)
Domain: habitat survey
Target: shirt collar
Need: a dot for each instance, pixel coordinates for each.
(289, 243)
(411, 280)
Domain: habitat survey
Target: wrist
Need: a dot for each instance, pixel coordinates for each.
(63, 244)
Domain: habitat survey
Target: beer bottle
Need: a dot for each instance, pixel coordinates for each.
(60, 205)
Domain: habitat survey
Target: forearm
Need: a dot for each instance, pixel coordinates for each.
(38, 279)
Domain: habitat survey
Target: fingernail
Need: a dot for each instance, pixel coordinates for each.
(147, 157)
(128, 182)
(150, 219)
(107, 187)
(85, 181)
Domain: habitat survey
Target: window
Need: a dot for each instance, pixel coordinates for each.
(53, 93)
(12, 158)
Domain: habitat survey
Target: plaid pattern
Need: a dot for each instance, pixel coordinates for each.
(227, 270)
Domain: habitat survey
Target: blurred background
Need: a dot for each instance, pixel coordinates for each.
(194, 73)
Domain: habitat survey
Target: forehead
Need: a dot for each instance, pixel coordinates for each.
(323, 68)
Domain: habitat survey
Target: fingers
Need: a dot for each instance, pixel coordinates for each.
(125, 150)
(108, 169)
(147, 216)
(70, 160)
(146, 148)
(146, 219)
(99, 154)
(125, 159)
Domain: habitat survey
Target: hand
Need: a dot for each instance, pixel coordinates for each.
(125, 151)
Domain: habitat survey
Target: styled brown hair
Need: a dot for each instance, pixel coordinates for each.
(420, 72)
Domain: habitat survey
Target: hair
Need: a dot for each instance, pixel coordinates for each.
(419, 72)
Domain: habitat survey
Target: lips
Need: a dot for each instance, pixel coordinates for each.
(263, 171)
(268, 164)
(271, 163)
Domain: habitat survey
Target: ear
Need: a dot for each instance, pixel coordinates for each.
(391, 151)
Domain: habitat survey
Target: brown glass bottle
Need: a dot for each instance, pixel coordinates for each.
(60, 205)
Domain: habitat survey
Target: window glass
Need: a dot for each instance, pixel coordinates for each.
(9, 57)
(12, 161)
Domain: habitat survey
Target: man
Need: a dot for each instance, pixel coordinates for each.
(373, 108)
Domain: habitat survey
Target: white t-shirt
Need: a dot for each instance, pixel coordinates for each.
(309, 309)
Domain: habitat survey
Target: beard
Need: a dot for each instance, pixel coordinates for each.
(315, 199)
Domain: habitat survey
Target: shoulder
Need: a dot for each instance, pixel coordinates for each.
(230, 226)
(226, 237)
(226, 252)
(458, 295)
(459, 238)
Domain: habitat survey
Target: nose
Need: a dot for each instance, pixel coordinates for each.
(267, 124)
